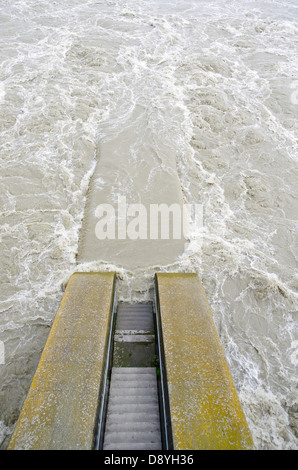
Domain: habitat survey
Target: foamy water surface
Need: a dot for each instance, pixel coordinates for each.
(216, 83)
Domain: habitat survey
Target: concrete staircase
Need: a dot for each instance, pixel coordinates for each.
(133, 412)
(134, 317)
(133, 419)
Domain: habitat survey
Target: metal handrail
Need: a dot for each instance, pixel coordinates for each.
(163, 381)
(105, 389)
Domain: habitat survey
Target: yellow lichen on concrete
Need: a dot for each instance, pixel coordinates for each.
(60, 410)
(205, 409)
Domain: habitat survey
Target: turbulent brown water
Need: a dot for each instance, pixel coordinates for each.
(190, 102)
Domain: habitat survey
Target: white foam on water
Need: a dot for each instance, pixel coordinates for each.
(215, 83)
(2, 92)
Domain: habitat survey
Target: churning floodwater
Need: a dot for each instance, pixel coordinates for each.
(202, 98)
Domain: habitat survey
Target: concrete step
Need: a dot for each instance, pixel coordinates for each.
(132, 310)
(136, 306)
(133, 377)
(136, 417)
(133, 398)
(132, 437)
(140, 372)
(133, 446)
(123, 409)
(134, 324)
(133, 392)
(132, 426)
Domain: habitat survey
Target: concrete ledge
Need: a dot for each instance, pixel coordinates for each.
(60, 410)
(205, 409)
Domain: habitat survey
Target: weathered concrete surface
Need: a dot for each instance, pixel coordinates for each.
(205, 409)
(61, 407)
